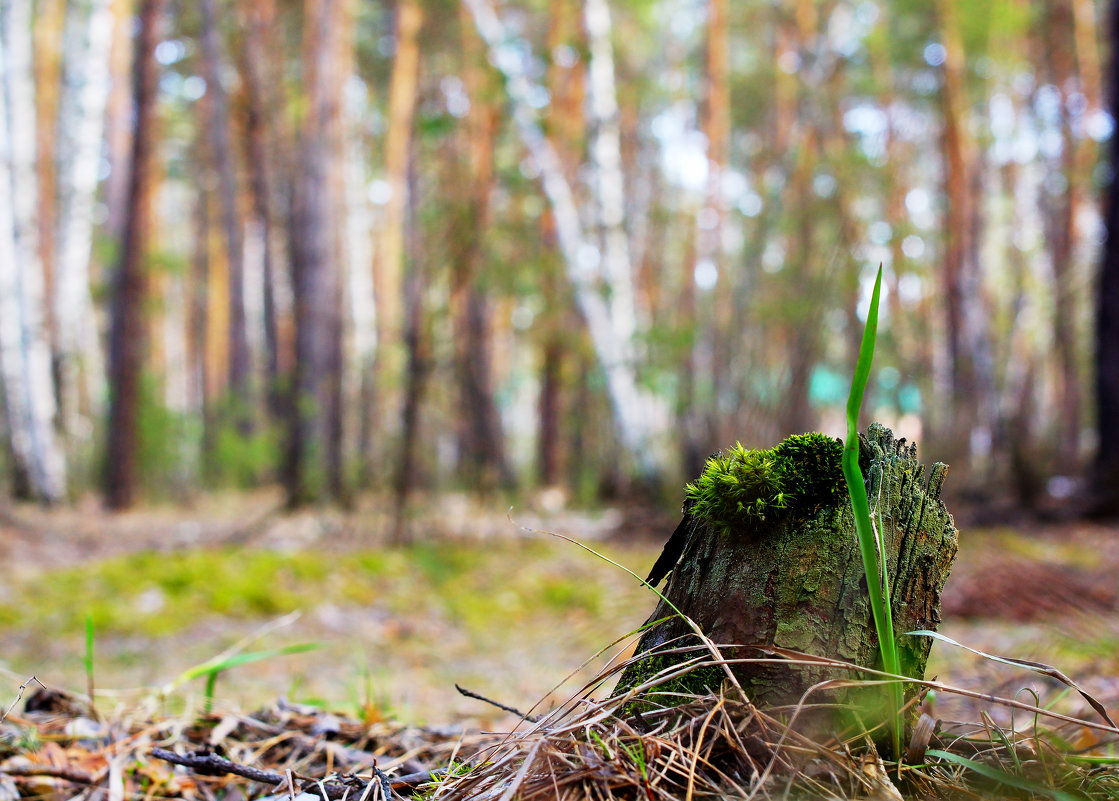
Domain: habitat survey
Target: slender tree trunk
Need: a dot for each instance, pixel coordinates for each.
(77, 343)
(388, 265)
(264, 152)
(481, 457)
(1105, 476)
(566, 130)
(198, 356)
(1059, 211)
(361, 338)
(118, 118)
(240, 367)
(549, 411)
(417, 341)
(25, 366)
(958, 159)
(314, 464)
(49, 23)
(127, 335)
(707, 364)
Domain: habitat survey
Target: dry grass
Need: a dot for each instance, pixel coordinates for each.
(663, 746)
(720, 745)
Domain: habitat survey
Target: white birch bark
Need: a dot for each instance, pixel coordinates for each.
(639, 416)
(24, 350)
(360, 313)
(85, 94)
(606, 156)
(359, 224)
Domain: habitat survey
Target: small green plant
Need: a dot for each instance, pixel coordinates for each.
(87, 661)
(874, 563)
(212, 668)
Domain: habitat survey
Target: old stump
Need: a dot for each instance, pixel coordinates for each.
(766, 555)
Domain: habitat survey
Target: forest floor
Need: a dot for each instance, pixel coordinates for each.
(484, 598)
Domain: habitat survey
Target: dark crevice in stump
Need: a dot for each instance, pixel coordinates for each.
(789, 574)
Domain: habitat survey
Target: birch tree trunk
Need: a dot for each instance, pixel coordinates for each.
(77, 346)
(24, 350)
(127, 337)
(360, 296)
(640, 417)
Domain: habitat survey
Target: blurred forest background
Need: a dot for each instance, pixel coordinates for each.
(425, 245)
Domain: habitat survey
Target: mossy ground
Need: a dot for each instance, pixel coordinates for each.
(398, 627)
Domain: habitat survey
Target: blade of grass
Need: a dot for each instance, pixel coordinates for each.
(1036, 667)
(87, 662)
(1002, 777)
(877, 587)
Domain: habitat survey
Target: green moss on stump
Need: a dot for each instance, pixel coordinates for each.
(743, 487)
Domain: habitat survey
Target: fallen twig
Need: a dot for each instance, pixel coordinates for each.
(511, 710)
(74, 775)
(210, 764)
(22, 687)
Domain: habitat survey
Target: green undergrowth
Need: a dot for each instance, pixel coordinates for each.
(153, 594)
(741, 486)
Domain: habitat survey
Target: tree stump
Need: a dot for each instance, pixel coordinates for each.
(766, 555)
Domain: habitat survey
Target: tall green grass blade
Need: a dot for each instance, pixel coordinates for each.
(873, 565)
(87, 661)
(1002, 777)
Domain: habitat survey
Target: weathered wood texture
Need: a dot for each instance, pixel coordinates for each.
(799, 583)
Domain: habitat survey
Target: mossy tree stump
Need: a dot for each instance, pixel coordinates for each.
(767, 555)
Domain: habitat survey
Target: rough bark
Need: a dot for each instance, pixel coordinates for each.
(418, 342)
(388, 266)
(566, 130)
(218, 106)
(1060, 211)
(264, 154)
(314, 460)
(127, 337)
(1105, 476)
(481, 451)
(797, 581)
(957, 171)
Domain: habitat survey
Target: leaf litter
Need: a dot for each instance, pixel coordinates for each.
(715, 745)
